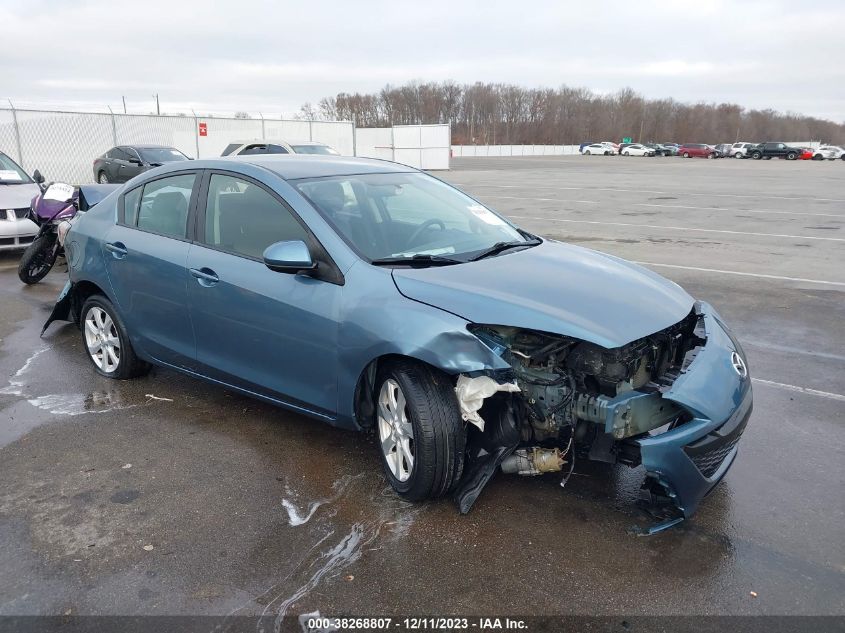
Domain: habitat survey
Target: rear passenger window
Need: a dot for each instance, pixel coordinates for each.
(244, 219)
(130, 206)
(164, 205)
(255, 149)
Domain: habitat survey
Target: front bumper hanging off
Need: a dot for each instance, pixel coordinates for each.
(688, 461)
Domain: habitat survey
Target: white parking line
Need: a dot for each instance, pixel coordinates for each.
(742, 274)
(543, 199)
(686, 228)
(681, 206)
(797, 389)
(679, 193)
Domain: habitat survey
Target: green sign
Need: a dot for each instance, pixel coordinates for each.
(626, 139)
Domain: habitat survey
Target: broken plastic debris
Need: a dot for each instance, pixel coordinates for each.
(753, 594)
(149, 548)
(472, 392)
(126, 466)
(150, 396)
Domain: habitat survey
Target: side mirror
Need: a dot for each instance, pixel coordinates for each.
(135, 161)
(37, 177)
(288, 257)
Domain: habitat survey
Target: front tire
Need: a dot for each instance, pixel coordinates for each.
(586, 152)
(103, 178)
(38, 259)
(756, 155)
(420, 434)
(791, 156)
(686, 154)
(107, 341)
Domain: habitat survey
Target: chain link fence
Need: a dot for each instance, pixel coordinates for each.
(63, 145)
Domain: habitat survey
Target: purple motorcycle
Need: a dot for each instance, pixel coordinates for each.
(58, 203)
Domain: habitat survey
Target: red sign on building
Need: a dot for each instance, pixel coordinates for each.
(203, 129)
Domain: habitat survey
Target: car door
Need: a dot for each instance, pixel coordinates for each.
(266, 332)
(145, 254)
(115, 169)
(133, 165)
(105, 165)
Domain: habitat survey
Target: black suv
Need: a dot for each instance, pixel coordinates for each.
(768, 150)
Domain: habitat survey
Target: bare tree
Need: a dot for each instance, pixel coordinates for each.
(483, 113)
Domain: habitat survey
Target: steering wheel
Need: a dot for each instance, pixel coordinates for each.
(422, 227)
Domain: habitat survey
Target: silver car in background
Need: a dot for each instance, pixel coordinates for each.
(264, 146)
(17, 190)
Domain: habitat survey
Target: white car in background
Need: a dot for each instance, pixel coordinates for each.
(829, 152)
(17, 190)
(264, 146)
(637, 150)
(740, 150)
(598, 149)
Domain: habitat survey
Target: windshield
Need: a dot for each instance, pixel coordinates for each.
(161, 155)
(10, 171)
(407, 214)
(314, 149)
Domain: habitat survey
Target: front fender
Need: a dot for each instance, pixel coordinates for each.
(379, 321)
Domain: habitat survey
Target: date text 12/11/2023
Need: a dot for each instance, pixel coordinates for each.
(413, 624)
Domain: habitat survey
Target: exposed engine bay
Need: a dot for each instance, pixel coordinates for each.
(566, 398)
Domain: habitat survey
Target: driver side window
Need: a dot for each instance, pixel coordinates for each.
(244, 219)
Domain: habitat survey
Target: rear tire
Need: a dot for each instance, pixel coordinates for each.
(106, 341)
(38, 259)
(711, 155)
(417, 417)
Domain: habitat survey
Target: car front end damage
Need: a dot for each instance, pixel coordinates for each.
(675, 402)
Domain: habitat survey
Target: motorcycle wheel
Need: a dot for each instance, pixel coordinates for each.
(38, 259)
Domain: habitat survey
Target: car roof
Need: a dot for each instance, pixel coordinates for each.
(263, 141)
(295, 166)
(146, 146)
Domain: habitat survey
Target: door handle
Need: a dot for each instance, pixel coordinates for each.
(117, 249)
(204, 276)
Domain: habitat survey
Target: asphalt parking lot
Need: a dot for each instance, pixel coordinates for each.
(167, 495)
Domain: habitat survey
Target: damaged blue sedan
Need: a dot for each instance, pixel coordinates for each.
(375, 297)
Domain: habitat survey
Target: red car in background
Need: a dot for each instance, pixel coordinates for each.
(697, 150)
(806, 153)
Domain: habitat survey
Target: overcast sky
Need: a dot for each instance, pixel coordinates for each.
(274, 56)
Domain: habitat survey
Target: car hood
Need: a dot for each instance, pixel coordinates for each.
(553, 287)
(18, 196)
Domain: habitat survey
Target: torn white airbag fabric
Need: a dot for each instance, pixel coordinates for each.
(472, 392)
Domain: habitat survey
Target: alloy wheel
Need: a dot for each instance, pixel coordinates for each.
(395, 430)
(102, 340)
(104, 180)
